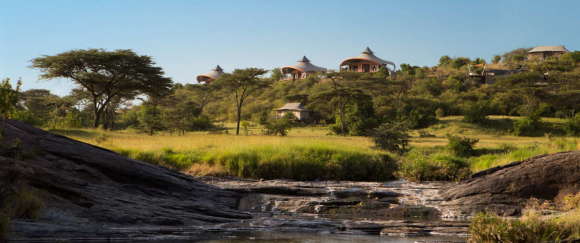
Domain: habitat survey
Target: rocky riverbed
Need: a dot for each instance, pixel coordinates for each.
(396, 208)
(91, 193)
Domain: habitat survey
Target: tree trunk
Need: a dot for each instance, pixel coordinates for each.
(239, 118)
(97, 120)
(342, 122)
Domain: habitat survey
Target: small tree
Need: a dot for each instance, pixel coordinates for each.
(476, 112)
(8, 100)
(150, 118)
(461, 146)
(241, 84)
(392, 137)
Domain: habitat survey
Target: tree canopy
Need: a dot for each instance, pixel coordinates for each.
(106, 75)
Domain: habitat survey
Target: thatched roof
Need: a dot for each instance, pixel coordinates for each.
(367, 55)
(548, 49)
(304, 66)
(210, 76)
(292, 107)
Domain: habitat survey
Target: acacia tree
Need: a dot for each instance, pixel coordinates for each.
(106, 76)
(241, 84)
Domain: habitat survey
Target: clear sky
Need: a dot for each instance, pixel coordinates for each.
(188, 37)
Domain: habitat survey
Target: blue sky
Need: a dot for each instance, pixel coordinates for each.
(190, 37)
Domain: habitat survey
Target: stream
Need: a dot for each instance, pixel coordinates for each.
(333, 211)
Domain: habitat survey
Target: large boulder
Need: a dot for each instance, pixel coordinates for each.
(505, 189)
(84, 185)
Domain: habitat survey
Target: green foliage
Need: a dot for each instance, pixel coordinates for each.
(476, 112)
(461, 146)
(150, 118)
(241, 84)
(279, 126)
(572, 125)
(306, 163)
(312, 162)
(105, 77)
(489, 228)
(425, 165)
(527, 126)
(8, 98)
(391, 137)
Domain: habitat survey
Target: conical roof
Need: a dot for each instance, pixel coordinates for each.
(304, 65)
(212, 75)
(367, 55)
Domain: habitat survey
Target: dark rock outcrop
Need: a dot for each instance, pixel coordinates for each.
(84, 185)
(504, 189)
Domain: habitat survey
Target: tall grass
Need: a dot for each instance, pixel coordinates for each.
(511, 154)
(299, 162)
(488, 228)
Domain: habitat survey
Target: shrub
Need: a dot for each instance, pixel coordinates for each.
(527, 126)
(278, 127)
(461, 146)
(391, 137)
(572, 125)
(419, 165)
(476, 112)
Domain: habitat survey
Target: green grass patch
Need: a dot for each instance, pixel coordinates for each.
(299, 162)
(433, 164)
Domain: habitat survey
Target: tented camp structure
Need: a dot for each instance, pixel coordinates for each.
(366, 62)
(543, 52)
(301, 70)
(296, 109)
(210, 76)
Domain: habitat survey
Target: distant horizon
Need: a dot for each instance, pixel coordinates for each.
(187, 38)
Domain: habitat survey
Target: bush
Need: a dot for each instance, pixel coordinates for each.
(476, 113)
(391, 137)
(572, 125)
(419, 165)
(527, 126)
(461, 146)
(278, 127)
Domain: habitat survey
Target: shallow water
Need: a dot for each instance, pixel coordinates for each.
(276, 237)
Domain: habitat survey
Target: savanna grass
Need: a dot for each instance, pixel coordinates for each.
(299, 162)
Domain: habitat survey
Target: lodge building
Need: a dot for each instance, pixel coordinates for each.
(541, 53)
(210, 76)
(301, 70)
(366, 62)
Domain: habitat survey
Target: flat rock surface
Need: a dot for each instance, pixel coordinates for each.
(504, 189)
